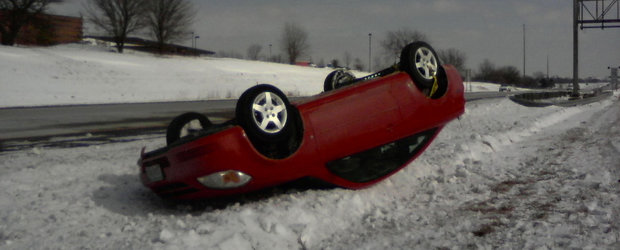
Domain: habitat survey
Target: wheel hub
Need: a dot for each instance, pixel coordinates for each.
(426, 63)
(269, 112)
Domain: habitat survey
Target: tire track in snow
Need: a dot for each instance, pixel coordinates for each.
(558, 193)
(470, 187)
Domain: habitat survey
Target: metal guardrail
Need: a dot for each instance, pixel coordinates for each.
(560, 98)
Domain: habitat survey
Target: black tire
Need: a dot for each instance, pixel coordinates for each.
(279, 136)
(176, 128)
(337, 79)
(257, 123)
(427, 61)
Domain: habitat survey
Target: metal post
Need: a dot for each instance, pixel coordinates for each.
(196, 45)
(468, 79)
(575, 48)
(524, 51)
(369, 52)
(193, 40)
(613, 77)
(547, 67)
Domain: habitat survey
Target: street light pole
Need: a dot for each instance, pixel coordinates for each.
(613, 77)
(193, 40)
(524, 51)
(369, 52)
(547, 66)
(196, 44)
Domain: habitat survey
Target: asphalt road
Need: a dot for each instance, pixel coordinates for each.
(42, 123)
(24, 123)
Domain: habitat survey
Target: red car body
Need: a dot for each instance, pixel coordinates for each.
(336, 125)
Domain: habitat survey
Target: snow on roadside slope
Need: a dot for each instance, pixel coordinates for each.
(502, 176)
(84, 74)
(87, 74)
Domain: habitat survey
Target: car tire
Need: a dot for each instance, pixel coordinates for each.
(272, 124)
(185, 125)
(263, 111)
(421, 62)
(337, 79)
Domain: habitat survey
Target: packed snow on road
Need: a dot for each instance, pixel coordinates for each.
(501, 176)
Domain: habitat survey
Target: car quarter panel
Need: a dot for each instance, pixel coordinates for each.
(352, 118)
(357, 118)
(419, 112)
(227, 150)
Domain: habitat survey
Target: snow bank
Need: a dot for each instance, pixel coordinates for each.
(87, 74)
(502, 176)
(79, 74)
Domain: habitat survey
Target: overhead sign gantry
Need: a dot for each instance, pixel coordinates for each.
(589, 14)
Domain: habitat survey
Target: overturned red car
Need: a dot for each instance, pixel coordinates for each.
(357, 133)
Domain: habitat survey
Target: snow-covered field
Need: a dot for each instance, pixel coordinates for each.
(502, 176)
(86, 74)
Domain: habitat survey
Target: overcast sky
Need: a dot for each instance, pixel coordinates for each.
(482, 29)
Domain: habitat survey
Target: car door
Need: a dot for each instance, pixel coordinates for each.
(354, 119)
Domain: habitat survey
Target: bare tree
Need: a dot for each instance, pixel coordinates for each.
(485, 69)
(454, 57)
(17, 13)
(294, 41)
(254, 51)
(118, 18)
(169, 20)
(276, 58)
(321, 63)
(229, 54)
(358, 64)
(504, 75)
(395, 41)
(347, 59)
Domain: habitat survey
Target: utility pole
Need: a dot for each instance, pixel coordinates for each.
(613, 77)
(369, 52)
(193, 40)
(547, 66)
(523, 50)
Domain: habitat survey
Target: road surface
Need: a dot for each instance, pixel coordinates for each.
(23, 127)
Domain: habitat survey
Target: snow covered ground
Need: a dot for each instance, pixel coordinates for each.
(502, 176)
(86, 74)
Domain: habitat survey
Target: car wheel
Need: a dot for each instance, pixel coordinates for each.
(421, 62)
(337, 79)
(272, 124)
(263, 111)
(186, 124)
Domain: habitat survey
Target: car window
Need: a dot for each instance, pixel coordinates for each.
(377, 162)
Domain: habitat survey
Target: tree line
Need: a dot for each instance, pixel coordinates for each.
(168, 21)
(16, 13)
(510, 75)
(294, 41)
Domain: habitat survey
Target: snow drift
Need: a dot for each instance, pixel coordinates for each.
(502, 176)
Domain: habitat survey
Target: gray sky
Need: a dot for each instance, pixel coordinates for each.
(482, 29)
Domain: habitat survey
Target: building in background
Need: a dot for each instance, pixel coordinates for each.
(46, 29)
